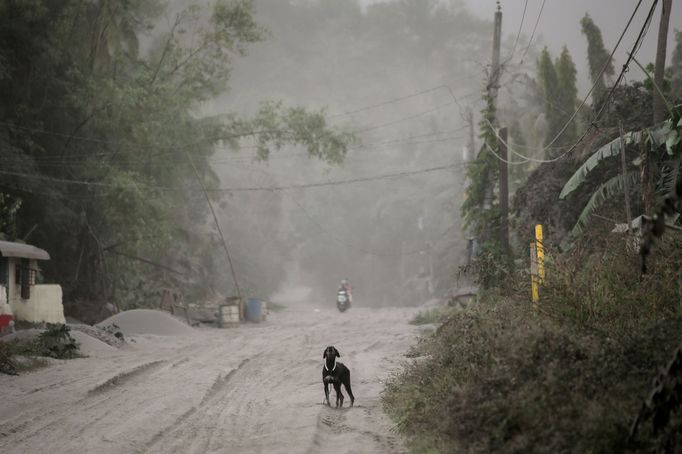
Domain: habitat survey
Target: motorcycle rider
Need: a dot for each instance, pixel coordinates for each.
(345, 286)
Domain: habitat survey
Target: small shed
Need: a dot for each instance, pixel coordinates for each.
(20, 294)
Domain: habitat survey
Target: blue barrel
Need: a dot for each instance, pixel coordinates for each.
(254, 310)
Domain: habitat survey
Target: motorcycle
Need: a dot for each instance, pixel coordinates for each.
(342, 300)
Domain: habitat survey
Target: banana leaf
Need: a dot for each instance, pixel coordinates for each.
(611, 188)
(609, 150)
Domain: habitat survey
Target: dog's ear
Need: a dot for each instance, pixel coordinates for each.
(338, 355)
(324, 354)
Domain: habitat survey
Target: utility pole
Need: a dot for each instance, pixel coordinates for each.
(497, 36)
(659, 69)
(471, 152)
(646, 175)
(502, 134)
(493, 85)
(504, 191)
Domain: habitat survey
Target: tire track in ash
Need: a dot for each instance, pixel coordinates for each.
(184, 429)
(124, 377)
(268, 410)
(45, 421)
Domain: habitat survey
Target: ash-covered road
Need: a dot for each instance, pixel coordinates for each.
(253, 389)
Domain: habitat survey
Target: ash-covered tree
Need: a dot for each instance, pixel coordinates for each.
(549, 88)
(601, 67)
(567, 96)
(99, 140)
(557, 82)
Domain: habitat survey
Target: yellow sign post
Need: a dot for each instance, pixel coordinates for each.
(534, 290)
(540, 250)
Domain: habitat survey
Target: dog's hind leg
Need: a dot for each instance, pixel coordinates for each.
(346, 383)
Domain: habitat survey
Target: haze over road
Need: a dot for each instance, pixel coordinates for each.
(251, 389)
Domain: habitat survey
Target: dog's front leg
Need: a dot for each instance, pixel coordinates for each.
(339, 395)
(326, 394)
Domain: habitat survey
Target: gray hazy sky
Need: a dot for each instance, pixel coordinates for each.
(560, 24)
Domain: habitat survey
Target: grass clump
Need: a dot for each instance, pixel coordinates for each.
(598, 285)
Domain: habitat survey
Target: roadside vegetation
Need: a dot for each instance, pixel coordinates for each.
(433, 315)
(595, 365)
(24, 355)
(568, 376)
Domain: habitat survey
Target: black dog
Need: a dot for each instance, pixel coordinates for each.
(336, 374)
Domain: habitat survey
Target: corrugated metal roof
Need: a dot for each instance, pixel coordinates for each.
(25, 251)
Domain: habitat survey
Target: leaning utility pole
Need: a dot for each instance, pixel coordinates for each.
(659, 69)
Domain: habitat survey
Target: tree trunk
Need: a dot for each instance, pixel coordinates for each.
(659, 70)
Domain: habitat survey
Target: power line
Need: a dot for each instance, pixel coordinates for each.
(329, 234)
(207, 140)
(532, 35)
(379, 146)
(526, 158)
(387, 176)
(400, 120)
(596, 81)
(631, 55)
(518, 33)
(575, 113)
(625, 68)
(500, 158)
(395, 100)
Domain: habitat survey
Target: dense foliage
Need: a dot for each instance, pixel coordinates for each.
(99, 123)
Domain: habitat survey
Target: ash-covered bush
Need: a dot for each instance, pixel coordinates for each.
(56, 342)
(506, 378)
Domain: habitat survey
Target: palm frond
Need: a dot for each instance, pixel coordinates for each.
(611, 188)
(609, 150)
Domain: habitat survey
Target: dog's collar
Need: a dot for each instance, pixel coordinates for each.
(326, 368)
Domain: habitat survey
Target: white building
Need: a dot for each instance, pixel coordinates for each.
(20, 295)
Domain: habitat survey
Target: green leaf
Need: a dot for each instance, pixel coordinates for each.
(611, 188)
(610, 149)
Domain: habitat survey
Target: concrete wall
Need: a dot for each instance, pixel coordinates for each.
(4, 305)
(13, 289)
(45, 305)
